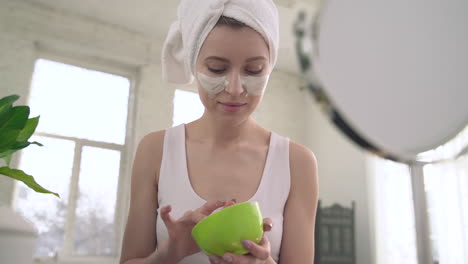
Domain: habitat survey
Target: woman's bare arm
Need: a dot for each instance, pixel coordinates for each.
(139, 243)
(297, 245)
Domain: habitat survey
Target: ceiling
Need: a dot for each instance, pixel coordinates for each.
(153, 18)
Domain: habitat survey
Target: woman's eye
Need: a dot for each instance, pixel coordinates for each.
(254, 72)
(217, 71)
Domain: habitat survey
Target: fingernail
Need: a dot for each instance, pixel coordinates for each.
(228, 259)
(247, 244)
(214, 259)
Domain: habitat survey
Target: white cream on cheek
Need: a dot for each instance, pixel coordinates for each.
(254, 86)
(212, 85)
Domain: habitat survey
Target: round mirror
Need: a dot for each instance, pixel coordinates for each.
(392, 75)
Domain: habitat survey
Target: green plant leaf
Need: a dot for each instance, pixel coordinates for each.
(11, 127)
(7, 159)
(6, 114)
(6, 153)
(15, 131)
(20, 145)
(17, 118)
(7, 102)
(6, 106)
(37, 143)
(6, 156)
(28, 129)
(8, 139)
(26, 179)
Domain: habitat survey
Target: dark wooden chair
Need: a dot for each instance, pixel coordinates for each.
(334, 235)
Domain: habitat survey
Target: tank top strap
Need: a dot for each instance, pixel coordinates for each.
(276, 181)
(173, 187)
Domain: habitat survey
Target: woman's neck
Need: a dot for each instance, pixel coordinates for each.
(223, 133)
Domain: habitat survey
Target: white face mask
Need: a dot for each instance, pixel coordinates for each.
(254, 86)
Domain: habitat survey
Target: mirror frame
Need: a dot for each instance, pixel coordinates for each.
(307, 34)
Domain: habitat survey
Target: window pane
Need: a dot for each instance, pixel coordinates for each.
(51, 166)
(78, 102)
(94, 230)
(393, 212)
(187, 107)
(446, 187)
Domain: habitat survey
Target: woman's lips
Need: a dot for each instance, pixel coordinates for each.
(232, 107)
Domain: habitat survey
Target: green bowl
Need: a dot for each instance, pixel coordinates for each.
(223, 231)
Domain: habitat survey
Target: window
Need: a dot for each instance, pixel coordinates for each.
(446, 193)
(446, 186)
(187, 107)
(83, 127)
(395, 237)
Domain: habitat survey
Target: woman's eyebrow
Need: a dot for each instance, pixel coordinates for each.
(256, 58)
(217, 58)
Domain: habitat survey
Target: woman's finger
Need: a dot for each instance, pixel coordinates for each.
(229, 258)
(230, 203)
(260, 251)
(196, 217)
(209, 207)
(165, 215)
(267, 224)
(215, 260)
(191, 217)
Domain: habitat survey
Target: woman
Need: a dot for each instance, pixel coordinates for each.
(183, 174)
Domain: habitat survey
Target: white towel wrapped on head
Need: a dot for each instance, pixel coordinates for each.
(196, 19)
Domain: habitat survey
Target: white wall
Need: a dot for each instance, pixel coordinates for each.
(342, 175)
(27, 32)
(282, 108)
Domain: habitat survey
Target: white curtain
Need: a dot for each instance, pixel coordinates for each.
(447, 194)
(395, 239)
(446, 186)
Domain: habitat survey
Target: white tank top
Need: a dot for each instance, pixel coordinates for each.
(175, 189)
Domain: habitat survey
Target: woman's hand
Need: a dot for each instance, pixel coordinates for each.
(181, 243)
(258, 254)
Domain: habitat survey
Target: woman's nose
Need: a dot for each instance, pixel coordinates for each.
(234, 87)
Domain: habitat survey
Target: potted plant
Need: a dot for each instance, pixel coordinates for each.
(17, 236)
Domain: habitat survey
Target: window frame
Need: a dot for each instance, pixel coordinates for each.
(126, 155)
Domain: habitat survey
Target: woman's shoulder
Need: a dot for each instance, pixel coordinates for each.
(150, 147)
(303, 164)
(299, 152)
(301, 159)
(149, 152)
(152, 141)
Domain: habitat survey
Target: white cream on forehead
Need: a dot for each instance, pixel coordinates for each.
(254, 86)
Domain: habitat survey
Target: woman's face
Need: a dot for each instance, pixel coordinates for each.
(235, 54)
